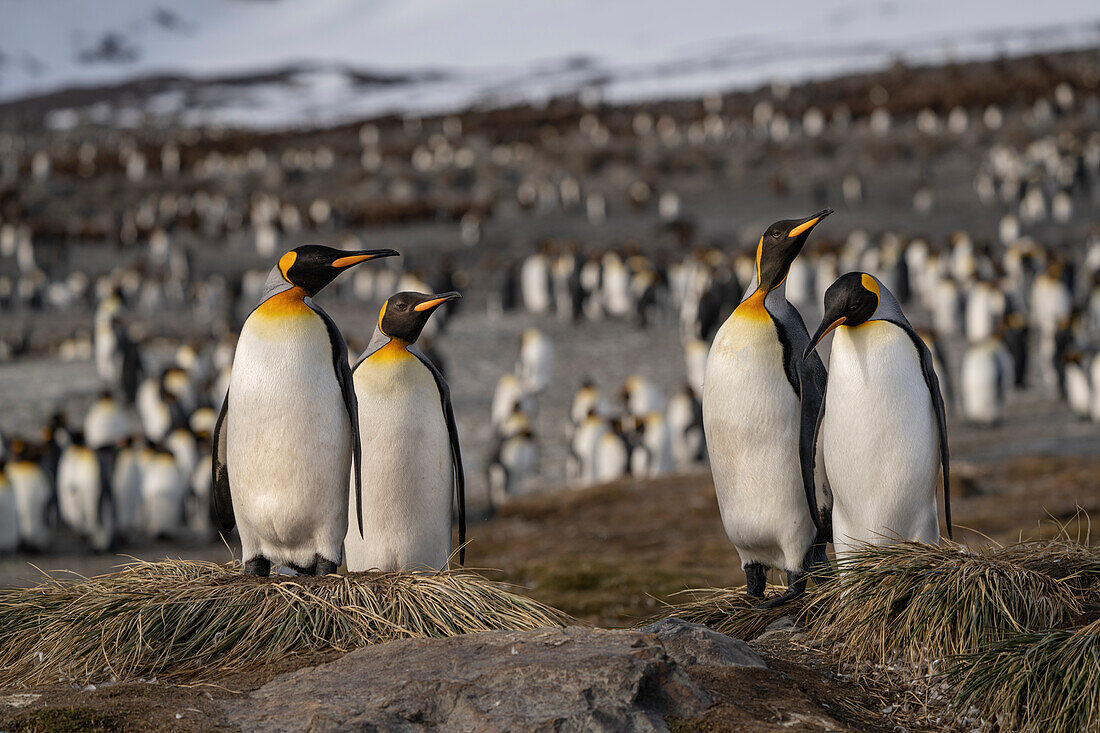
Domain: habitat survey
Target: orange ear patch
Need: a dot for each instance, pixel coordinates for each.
(382, 314)
(871, 284)
(759, 254)
(286, 262)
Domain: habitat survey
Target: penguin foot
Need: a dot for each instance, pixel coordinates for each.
(756, 577)
(324, 567)
(258, 566)
(796, 587)
(303, 569)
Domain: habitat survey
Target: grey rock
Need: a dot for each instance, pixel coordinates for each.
(689, 643)
(783, 624)
(570, 679)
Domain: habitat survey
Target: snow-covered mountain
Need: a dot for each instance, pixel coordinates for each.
(289, 62)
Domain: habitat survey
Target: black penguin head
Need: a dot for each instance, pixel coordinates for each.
(850, 301)
(778, 247)
(311, 267)
(403, 315)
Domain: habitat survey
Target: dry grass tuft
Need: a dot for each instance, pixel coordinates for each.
(189, 621)
(1063, 559)
(915, 602)
(1046, 681)
(731, 611)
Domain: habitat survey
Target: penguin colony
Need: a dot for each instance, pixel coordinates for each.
(1013, 308)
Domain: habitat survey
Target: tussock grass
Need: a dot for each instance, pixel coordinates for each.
(1077, 564)
(191, 621)
(916, 602)
(731, 611)
(1034, 682)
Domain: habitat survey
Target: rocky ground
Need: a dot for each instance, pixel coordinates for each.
(667, 676)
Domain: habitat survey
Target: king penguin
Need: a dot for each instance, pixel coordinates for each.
(287, 435)
(410, 446)
(35, 498)
(882, 426)
(759, 404)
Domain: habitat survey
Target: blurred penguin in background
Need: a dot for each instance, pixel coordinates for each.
(651, 456)
(612, 454)
(1076, 378)
(985, 375)
(163, 489)
(513, 457)
(640, 397)
(536, 361)
(535, 281)
(581, 462)
(585, 400)
(509, 397)
(685, 424)
(126, 483)
(35, 499)
(84, 493)
(106, 423)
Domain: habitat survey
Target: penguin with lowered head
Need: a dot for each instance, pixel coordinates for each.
(881, 424)
(410, 446)
(288, 434)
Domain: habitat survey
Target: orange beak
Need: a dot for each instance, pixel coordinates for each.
(435, 302)
(355, 259)
(822, 333)
(809, 223)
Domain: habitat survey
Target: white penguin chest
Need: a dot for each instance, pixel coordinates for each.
(288, 439)
(407, 466)
(283, 392)
(403, 431)
(751, 418)
(879, 436)
(747, 400)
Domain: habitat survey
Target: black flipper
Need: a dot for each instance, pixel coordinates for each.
(945, 383)
(933, 383)
(814, 379)
(808, 378)
(219, 466)
(347, 389)
(456, 450)
(807, 454)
